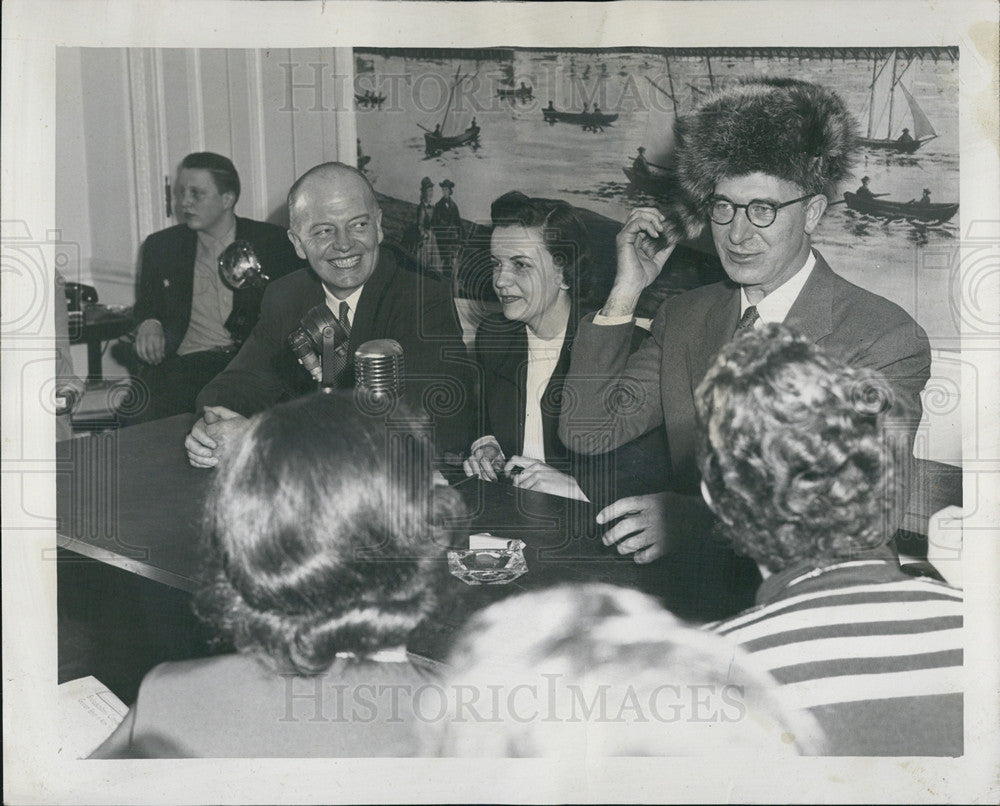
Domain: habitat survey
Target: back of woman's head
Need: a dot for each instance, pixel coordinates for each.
(563, 233)
(320, 533)
(595, 669)
(794, 454)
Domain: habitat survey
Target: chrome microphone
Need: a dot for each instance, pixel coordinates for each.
(239, 266)
(379, 368)
(315, 341)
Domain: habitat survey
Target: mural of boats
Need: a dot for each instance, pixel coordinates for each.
(436, 141)
(894, 210)
(522, 93)
(883, 87)
(369, 100)
(553, 115)
(651, 184)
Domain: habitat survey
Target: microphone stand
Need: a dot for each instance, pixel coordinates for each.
(329, 354)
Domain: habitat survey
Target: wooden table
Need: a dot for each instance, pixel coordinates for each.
(129, 499)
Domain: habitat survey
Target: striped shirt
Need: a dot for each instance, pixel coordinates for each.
(873, 653)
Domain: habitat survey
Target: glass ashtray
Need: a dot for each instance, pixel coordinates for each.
(487, 566)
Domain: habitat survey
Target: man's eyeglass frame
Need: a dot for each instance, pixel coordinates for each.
(713, 200)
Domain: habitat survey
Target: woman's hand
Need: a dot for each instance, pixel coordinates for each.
(530, 474)
(485, 460)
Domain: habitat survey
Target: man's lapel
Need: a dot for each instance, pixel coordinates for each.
(365, 317)
(718, 328)
(812, 312)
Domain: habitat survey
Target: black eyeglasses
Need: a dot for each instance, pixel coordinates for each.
(761, 213)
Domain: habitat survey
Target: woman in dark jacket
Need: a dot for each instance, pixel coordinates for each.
(537, 248)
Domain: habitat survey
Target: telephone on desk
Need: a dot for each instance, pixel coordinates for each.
(79, 295)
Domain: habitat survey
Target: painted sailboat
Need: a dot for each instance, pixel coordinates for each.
(647, 175)
(436, 141)
(886, 78)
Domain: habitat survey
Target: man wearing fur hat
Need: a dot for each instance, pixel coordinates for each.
(759, 161)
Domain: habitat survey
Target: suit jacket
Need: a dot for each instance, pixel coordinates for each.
(235, 707)
(397, 303)
(166, 277)
(502, 353)
(656, 384)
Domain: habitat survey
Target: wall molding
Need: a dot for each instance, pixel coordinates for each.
(196, 100)
(258, 163)
(163, 152)
(347, 123)
(130, 168)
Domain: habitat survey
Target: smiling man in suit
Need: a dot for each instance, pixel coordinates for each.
(759, 160)
(335, 223)
(189, 323)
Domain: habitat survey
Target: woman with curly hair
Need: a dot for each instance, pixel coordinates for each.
(321, 552)
(798, 465)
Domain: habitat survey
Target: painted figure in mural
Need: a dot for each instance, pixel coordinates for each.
(446, 224)
(422, 241)
(864, 191)
(639, 164)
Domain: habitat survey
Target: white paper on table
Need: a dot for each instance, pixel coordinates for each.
(484, 540)
(89, 712)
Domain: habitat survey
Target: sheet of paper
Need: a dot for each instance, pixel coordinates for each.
(89, 713)
(484, 540)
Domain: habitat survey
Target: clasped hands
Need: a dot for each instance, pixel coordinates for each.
(487, 462)
(216, 431)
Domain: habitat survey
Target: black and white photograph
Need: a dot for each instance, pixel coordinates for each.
(500, 402)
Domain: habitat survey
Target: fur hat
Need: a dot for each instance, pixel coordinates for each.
(791, 129)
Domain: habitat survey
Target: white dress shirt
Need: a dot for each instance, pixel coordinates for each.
(333, 303)
(776, 305)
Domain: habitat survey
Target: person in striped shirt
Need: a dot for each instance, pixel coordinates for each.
(795, 462)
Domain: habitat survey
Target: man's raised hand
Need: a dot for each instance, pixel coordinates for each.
(641, 249)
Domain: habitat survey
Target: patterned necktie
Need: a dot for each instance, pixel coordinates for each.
(340, 353)
(748, 320)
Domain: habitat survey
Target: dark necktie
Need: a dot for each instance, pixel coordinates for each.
(340, 353)
(747, 321)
